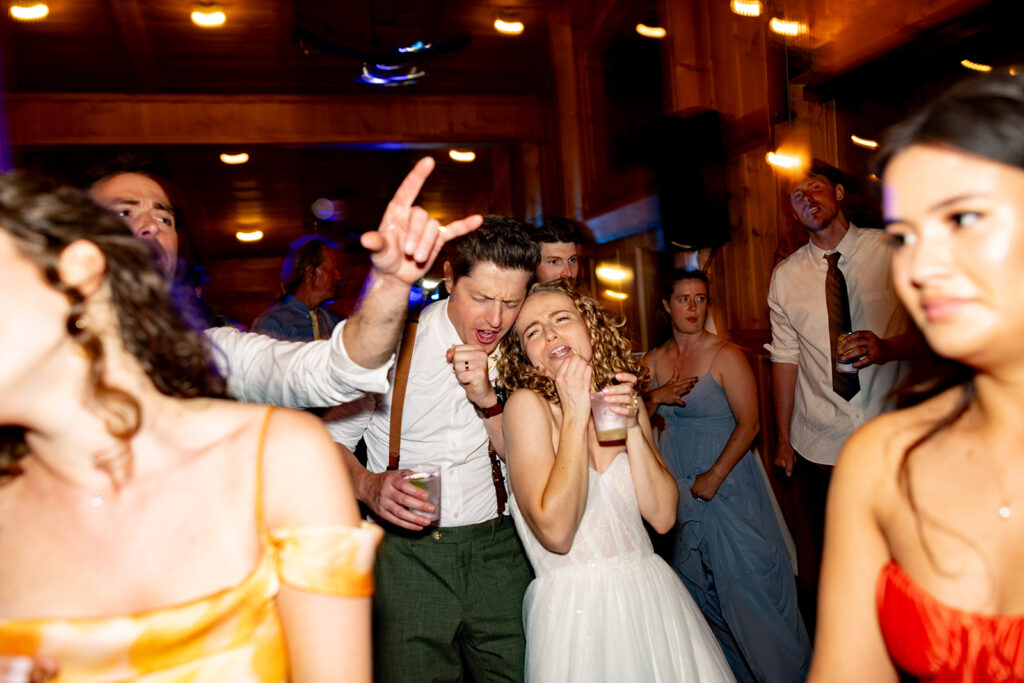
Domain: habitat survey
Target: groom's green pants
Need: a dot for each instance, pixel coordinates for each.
(450, 599)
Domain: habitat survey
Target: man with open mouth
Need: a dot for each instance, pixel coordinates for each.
(449, 597)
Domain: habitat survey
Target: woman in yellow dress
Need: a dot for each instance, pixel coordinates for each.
(150, 530)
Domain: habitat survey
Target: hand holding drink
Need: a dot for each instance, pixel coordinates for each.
(845, 366)
(610, 426)
(428, 478)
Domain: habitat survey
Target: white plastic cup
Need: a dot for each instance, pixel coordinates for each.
(428, 478)
(610, 426)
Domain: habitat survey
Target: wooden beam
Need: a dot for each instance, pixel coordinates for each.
(117, 119)
(883, 28)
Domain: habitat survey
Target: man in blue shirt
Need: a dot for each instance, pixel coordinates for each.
(310, 276)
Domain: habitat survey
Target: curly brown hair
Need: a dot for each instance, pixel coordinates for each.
(43, 218)
(611, 350)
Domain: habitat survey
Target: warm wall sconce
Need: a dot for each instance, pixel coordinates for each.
(746, 8)
(616, 295)
(974, 66)
(783, 160)
(508, 27)
(249, 236)
(864, 142)
(234, 159)
(786, 28)
(23, 11)
(610, 273)
(464, 156)
(208, 15)
(650, 31)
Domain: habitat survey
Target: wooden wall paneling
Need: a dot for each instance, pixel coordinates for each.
(529, 169)
(686, 54)
(567, 105)
(501, 182)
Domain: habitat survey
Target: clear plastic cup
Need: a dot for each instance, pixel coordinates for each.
(610, 426)
(428, 478)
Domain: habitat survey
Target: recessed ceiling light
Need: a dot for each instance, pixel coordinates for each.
(208, 15)
(233, 159)
(249, 236)
(511, 28)
(786, 28)
(23, 11)
(864, 142)
(746, 8)
(974, 66)
(464, 156)
(650, 31)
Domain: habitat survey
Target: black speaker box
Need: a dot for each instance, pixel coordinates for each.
(688, 157)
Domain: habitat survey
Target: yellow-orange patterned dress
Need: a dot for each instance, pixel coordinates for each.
(233, 635)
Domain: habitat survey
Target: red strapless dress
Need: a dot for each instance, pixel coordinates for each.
(936, 642)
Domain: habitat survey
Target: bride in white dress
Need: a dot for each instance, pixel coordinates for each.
(603, 607)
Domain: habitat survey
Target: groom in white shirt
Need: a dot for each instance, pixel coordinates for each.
(450, 596)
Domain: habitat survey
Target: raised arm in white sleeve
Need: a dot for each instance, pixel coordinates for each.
(315, 374)
(361, 350)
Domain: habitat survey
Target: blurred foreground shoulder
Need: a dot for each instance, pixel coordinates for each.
(304, 479)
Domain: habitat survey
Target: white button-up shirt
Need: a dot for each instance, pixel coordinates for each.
(822, 420)
(318, 374)
(440, 426)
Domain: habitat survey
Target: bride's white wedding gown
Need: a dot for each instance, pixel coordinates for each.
(610, 609)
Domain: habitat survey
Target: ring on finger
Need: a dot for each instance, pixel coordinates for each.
(467, 365)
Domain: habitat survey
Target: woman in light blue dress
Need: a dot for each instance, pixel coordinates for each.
(726, 546)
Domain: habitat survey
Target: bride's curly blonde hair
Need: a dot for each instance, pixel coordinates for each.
(611, 350)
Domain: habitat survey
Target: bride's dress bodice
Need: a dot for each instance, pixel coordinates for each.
(611, 529)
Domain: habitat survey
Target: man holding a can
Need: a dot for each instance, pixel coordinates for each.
(837, 332)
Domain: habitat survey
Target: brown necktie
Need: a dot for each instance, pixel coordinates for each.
(839, 322)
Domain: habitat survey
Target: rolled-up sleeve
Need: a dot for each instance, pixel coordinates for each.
(784, 347)
(316, 374)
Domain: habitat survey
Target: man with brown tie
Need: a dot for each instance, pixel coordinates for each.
(837, 329)
(310, 279)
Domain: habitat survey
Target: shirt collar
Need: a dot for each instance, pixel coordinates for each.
(845, 247)
(297, 304)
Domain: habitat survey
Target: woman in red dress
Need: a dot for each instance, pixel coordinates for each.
(925, 530)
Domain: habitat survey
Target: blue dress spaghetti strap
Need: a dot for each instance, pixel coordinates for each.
(729, 551)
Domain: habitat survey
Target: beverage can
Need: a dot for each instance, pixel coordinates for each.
(845, 365)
